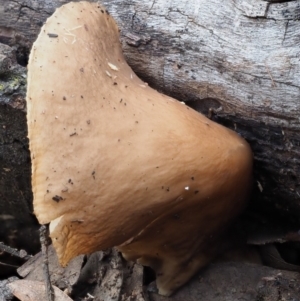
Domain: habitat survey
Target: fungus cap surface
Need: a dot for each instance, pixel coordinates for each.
(110, 156)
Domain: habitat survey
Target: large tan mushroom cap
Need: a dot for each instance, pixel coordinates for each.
(114, 162)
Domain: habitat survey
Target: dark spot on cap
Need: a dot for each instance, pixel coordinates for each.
(52, 35)
(57, 198)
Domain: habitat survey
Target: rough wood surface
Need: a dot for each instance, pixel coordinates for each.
(238, 281)
(18, 225)
(103, 275)
(106, 277)
(27, 290)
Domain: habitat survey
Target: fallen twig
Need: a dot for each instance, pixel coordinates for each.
(15, 252)
(9, 265)
(44, 243)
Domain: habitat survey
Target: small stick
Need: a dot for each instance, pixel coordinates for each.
(44, 243)
(8, 265)
(21, 254)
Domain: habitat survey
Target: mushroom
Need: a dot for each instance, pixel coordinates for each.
(116, 163)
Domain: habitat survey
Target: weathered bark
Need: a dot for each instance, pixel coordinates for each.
(17, 224)
(239, 58)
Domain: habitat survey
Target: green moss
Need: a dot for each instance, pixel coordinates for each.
(14, 82)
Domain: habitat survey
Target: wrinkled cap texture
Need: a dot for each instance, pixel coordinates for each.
(110, 155)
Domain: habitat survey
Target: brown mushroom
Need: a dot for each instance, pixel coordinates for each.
(115, 163)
